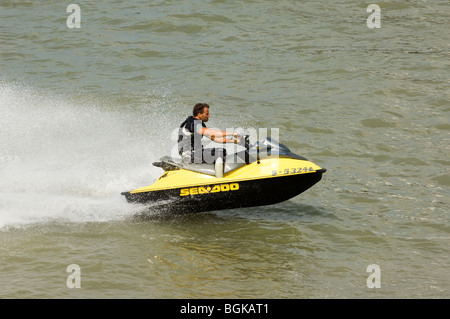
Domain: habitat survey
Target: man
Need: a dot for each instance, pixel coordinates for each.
(191, 132)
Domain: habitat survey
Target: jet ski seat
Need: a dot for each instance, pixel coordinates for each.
(217, 169)
(167, 164)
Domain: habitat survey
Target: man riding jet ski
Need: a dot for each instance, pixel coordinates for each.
(264, 173)
(190, 136)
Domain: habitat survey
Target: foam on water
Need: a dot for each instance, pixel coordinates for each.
(65, 159)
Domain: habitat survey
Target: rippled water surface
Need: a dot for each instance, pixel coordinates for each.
(85, 111)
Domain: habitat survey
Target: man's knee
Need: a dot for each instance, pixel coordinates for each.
(211, 154)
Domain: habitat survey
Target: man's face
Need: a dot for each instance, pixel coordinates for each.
(205, 115)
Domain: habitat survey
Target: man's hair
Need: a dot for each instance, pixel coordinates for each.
(198, 108)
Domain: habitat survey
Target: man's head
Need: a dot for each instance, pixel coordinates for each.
(201, 111)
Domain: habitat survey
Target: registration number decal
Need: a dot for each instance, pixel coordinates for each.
(294, 170)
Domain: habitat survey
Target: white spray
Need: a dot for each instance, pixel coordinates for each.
(65, 159)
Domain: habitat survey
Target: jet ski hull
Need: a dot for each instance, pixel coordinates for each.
(227, 193)
(266, 173)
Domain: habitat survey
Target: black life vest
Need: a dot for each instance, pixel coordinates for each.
(187, 136)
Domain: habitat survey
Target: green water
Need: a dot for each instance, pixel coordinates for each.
(85, 111)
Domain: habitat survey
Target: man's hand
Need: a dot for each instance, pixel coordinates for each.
(237, 138)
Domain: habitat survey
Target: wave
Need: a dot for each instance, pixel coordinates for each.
(68, 158)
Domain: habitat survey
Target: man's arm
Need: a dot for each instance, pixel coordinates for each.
(219, 136)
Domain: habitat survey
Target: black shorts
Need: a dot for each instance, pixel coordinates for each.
(209, 156)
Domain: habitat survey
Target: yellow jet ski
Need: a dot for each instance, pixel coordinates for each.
(262, 174)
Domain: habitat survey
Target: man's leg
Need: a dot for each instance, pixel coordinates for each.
(211, 154)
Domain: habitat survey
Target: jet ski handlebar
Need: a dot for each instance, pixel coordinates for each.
(244, 140)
